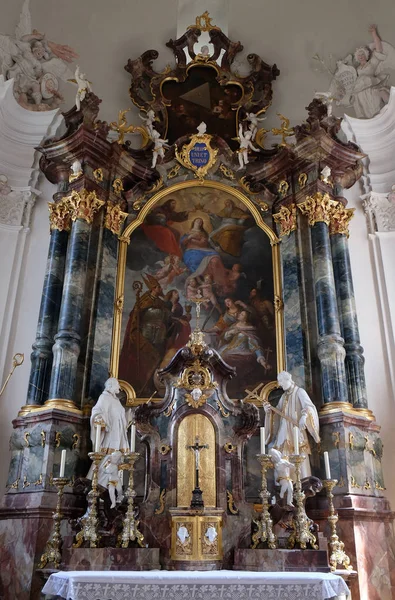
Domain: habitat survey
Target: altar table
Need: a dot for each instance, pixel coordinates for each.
(193, 585)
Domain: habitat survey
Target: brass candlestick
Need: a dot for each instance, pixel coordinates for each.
(130, 530)
(90, 521)
(264, 532)
(301, 533)
(338, 556)
(52, 551)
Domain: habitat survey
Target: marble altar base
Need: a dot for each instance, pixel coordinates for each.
(110, 559)
(281, 560)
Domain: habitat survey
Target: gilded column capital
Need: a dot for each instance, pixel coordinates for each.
(340, 220)
(115, 218)
(59, 215)
(318, 208)
(84, 205)
(286, 218)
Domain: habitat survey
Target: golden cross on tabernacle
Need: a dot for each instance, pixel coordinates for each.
(122, 128)
(285, 130)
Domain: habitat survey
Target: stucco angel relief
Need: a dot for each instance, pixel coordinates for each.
(36, 65)
(361, 80)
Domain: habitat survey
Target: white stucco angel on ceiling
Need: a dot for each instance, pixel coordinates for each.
(361, 80)
(35, 64)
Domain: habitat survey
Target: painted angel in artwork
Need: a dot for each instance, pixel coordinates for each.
(361, 80)
(35, 64)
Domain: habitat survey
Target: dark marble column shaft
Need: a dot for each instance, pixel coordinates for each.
(67, 340)
(348, 321)
(41, 357)
(330, 348)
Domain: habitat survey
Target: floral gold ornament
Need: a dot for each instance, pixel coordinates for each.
(336, 438)
(98, 175)
(351, 441)
(114, 218)
(204, 23)
(196, 380)
(26, 483)
(76, 440)
(117, 186)
(161, 508)
(118, 304)
(198, 155)
(286, 218)
(164, 449)
(39, 480)
(283, 188)
(285, 131)
(340, 220)
(318, 208)
(227, 172)
(354, 483)
(57, 439)
(122, 128)
(302, 180)
(369, 446)
(260, 137)
(84, 205)
(337, 554)
(231, 503)
(173, 172)
(59, 215)
(53, 549)
(229, 447)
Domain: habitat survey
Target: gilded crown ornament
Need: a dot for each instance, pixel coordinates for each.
(84, 205)
(114, 218)
(286, 218)
(340, 220)
(59, 215)
(318, 208)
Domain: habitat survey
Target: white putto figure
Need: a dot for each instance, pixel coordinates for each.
(282, 475)
(297, 408)
(149, 121)
(159, 145)
(245, 144)
(110, 477)
(109, 413)
(84, 86)
(254, 123)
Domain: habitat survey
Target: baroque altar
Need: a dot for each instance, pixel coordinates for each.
(193, 278)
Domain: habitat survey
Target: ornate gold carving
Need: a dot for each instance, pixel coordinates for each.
(336, 438)
(196, 379)
(318, 208)
(337, 555)
(283, 188)
(204, 23)
(351, 440)
(84, 205)
(229, 447)
(302, 180)
(260, 136)
(164, 449)
(118, 304)
(246, 186)
(379, 487)
(76, 438)
(137, 204)
(39, 480)
(117, 186)
(286, 218)
(341, 483)
(57, 439)
(369, 446)
(26, 483)
(173, 172)
(262, 205)
(122, 128)
(184, 539)
(227, 172)
(264, 524)
(354, 483)
(340, 220)
(285, 131)
(231, 504)
(209, 539)
(43, 435)
(184, 156)
(278, 303)
(15, 485)
(115, 218)
(98, 175)
(26, 437)
(367, 485)
(161, 508)
(59, 215)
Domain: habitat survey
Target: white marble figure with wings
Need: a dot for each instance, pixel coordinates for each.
(361, 80)
(35, 64)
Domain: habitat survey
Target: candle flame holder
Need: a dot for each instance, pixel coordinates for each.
(301, 533)
(338, 555)
(89, 532)
(130, 531)
(53, 548)
(264, 532)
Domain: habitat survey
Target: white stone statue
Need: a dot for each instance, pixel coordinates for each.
(109, 413)
(253, 123)
(202, 128)
(76, 170)
(325, 174)
(35, 64)
(109, 477)
(298, 410)
(5, 189)
(361, 80)
(282, 475)
(391, 195)
(159, 146)
(83, 87)
(245, 145)
(149, 121)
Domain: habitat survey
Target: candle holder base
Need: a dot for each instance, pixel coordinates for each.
(301, 533)
(131, 532)
(197, 498)
(52, 551)
(338, 555)
(264, 532)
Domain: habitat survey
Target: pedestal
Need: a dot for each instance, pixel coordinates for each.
(278, 559)
(196, 539)
(110, 559)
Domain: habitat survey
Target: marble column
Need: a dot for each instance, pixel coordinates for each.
(346, 307)
(330, 348)
(84, 205)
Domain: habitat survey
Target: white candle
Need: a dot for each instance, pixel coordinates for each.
(262, 440)
(97, 438)
(327, 466)
(62, 463)
(296, 440)
(133, 438)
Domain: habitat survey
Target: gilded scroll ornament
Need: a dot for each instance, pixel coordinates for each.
(351, 440)
(379, 487)
(39, 481)
(15, 484)
(227, 172)
(117, 186)
(76, 438)
(198, 155)
(229, 447)
(285, 131)
(173, 172)
(59, 215)
(161, 508)
(204, 23)
(118, 304)
(164, 449)
(286, 218)
(57, 439)
(354, 483)
(340, 220)
(84, 205)
(369, 446)
(43, 435)
(122, 128)
(115, 218)
(26, 437)
(302, 180)
(231, 503)
(336, 438)
(26, 483)
(98, 175)
(283, 188)
(318, 208)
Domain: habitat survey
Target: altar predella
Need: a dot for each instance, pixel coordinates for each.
(197, 374)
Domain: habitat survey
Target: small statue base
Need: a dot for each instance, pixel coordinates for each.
(197, 498)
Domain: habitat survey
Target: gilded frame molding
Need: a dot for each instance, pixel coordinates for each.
(124, 242)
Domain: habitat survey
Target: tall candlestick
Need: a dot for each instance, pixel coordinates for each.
(98, 437)
(296, 440)
(327, 466)
(263, 440)
(133, 438)
(62, 463)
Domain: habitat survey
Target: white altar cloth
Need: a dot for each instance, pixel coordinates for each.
(194, 585)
